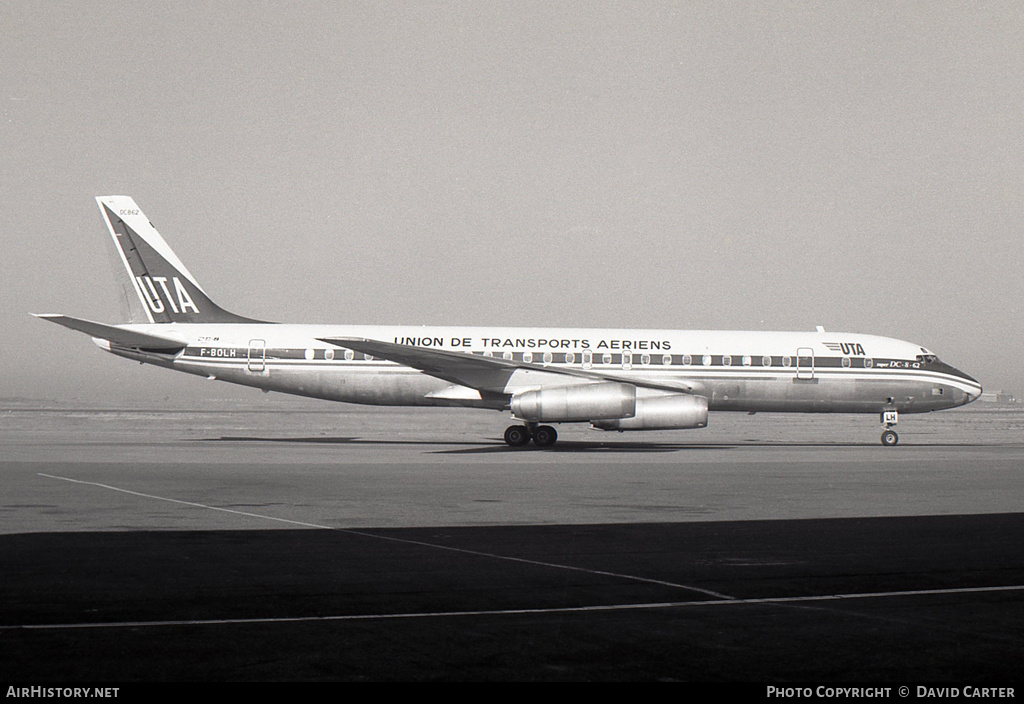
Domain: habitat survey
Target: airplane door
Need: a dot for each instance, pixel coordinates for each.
(257, 355)
(805, 363)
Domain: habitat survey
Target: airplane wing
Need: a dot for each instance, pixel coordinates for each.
(486, 374)
(119, 336)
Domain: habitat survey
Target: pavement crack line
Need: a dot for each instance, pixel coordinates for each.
(367, 534)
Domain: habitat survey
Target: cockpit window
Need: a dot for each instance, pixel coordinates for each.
(927, 358)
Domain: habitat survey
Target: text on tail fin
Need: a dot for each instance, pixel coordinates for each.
(166, 290)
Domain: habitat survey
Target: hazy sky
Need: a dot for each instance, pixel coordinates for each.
(761, 165)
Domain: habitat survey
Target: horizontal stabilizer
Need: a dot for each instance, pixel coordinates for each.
(119, 336)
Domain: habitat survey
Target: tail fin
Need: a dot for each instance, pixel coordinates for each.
(167, 292)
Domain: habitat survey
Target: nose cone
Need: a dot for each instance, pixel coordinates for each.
(967, 387)
(972, 388)
(973, 395)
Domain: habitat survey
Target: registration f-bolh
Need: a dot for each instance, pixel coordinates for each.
(611, 379)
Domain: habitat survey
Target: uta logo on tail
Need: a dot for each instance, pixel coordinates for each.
(156, 303)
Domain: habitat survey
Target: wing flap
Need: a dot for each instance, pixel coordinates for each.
(119, 336)
(488, 374)
(460, 368)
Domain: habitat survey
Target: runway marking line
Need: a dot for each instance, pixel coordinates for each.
(406, 541)
(720, 600)
(515, 612)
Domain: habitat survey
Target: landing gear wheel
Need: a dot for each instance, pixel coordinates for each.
(517, 435)
(890, 438)
(544, 436)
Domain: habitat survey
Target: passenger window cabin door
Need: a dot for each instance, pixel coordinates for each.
(805, 363)
(257, 355)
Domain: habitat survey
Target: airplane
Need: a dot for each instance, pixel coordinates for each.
(613, 379)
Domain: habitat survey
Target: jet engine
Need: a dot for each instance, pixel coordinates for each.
(675, 411)
(584, 402)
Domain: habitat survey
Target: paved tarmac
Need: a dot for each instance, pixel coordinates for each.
(290, 542)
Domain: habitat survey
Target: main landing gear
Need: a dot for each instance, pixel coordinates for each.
(519, 435)
(889, 420)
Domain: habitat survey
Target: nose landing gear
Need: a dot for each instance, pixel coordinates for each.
(889, 420)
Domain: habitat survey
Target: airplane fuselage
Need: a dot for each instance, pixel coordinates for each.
(734, 370)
